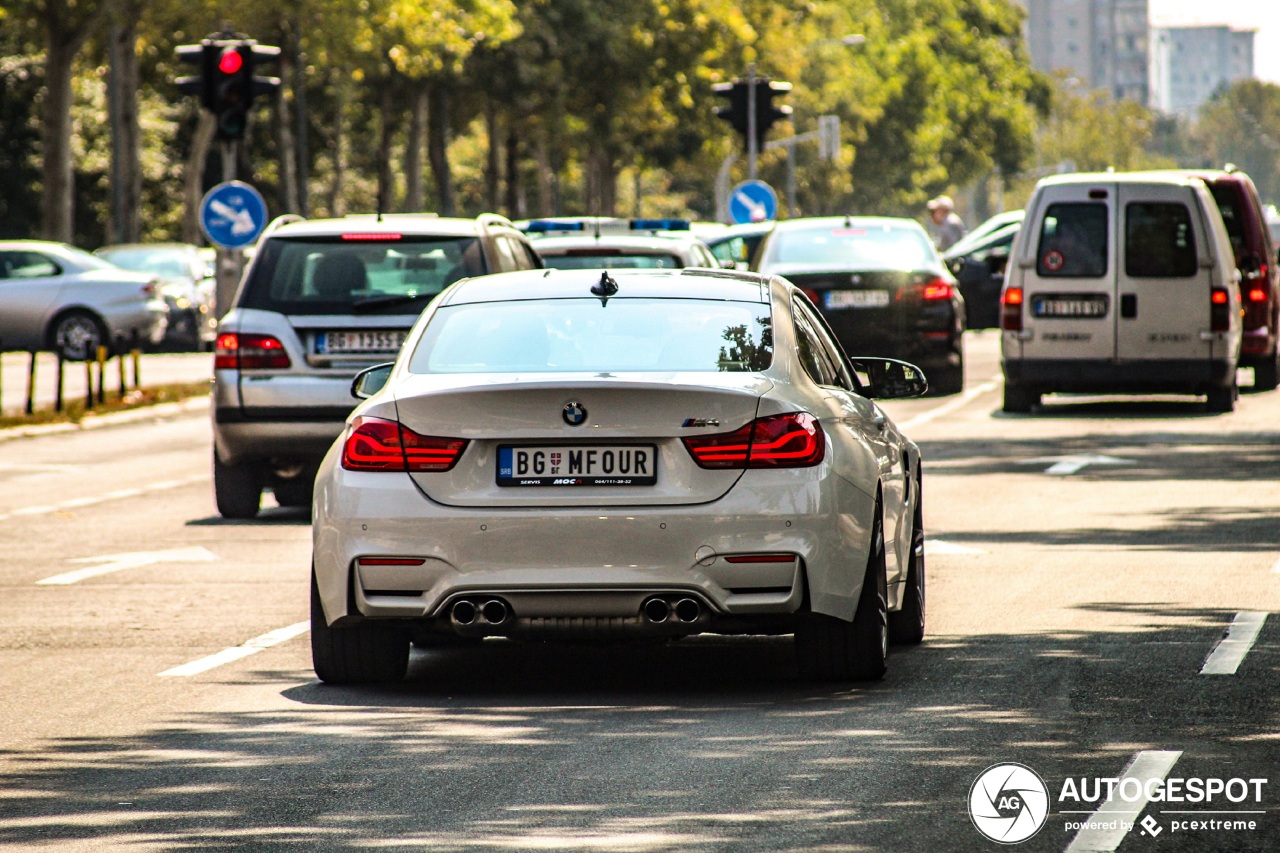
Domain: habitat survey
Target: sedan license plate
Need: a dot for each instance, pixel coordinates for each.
(857, 298)
(1069, 307)
(378, 341)
(597, 465)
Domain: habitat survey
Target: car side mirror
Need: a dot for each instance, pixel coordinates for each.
(889, 379)
(371, 380)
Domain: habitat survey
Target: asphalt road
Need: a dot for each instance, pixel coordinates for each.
(1071, 613)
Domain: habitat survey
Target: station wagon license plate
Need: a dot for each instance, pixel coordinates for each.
(1069, 307)
(362, 341)
(596, 465)
(856, 299)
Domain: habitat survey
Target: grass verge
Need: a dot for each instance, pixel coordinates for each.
(74, 411)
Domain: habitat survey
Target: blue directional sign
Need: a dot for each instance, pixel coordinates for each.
(753, 201)
(232, 215)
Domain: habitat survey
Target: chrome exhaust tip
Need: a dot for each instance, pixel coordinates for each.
(657, 610)
(463, 612)
(688, 610)
(494, 612)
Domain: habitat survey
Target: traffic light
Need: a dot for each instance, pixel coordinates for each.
(737, 112)
(227, 84)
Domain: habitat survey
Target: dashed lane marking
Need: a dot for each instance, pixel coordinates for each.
(120, 494)
(1229, 653)
(109, 563)
(1110, 824)
(250, 647)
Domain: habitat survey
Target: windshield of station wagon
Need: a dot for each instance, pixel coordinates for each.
(583, 336)
(332, 275)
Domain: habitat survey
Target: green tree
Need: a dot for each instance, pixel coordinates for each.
(1241, 125)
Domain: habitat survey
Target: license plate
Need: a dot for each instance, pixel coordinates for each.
(857, 298)
(361, 341)
(597, 465)
(1069, 307)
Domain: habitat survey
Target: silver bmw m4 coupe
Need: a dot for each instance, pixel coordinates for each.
(588, 455)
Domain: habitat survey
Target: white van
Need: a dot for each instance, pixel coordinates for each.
(1121, 284)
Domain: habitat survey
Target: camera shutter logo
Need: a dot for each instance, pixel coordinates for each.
(1008, 803)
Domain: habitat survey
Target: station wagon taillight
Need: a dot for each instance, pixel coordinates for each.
(249, 352)
(793, 440)
(1011, 310)
(1219, 310)
(936, 289)
(375, 444)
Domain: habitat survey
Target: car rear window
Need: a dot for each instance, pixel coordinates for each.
(886, 247)
(333, 275)
(1232, 215)
(592, 261)
(1073, 241)
(626, 335)
(1158, 241)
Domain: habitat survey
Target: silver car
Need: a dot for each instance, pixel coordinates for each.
(596, 455)
(187, 284)
(56, 297)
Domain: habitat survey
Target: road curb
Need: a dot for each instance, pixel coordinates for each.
(92, 421)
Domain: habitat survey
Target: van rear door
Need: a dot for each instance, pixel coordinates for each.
(1164, 275)
(1068, 285)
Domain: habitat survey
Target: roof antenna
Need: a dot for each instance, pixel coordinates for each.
(605, 287)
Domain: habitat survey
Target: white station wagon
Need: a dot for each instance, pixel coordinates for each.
(599, 455)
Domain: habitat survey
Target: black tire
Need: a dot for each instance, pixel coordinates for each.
(296, 492)
(906, 626)
(237, 489)
(1222, 400)
(1018, 399)
(364, 653)
(1266, 373)
(76, 335)
(831, 649)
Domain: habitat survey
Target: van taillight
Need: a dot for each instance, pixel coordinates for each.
(1219, 310)
(1011, 310)
(249, 352)
(374, 444)
(794, 440)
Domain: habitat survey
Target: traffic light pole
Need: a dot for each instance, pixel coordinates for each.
(230, 261)
(753, 144)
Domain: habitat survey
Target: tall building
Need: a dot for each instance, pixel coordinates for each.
(1189, 64)
(1102, 43)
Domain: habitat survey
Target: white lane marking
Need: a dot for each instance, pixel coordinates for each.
(952, 405)
(938, 547)
(250, 647)
(76, 503)
(1229, 653)
(109, 563)
(1066, 465)
(1147, 765)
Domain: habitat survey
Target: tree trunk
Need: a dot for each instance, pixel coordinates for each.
(193, 176)
(493, 160)
(338, 145)
(299, 82)
(287, 157)
(414, 145)
(546, 176)
(123, 81)
(515, 209)
(386, 177)
(438, 147)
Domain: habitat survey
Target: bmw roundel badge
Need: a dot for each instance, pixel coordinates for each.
(574, 413)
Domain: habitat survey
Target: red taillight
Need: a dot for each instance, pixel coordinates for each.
(936, 289)
(814, 296)
(371, 238)
(793, 440)
(374, 444)
(1219, 310)
(1011, 310)
(1257, 294)
(249, 352)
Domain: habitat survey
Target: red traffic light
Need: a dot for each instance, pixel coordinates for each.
(231, 61)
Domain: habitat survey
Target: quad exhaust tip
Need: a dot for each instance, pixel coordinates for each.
(658, 610)
(463, 612)
(468, 612)
(688, 610)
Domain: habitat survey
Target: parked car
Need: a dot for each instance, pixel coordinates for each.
(320, 300)
(186, 283)
(692, 448)
(999, 222)
(1121, 284)
(978, 266)
(59, 298)
(736, 245)
(880, 284)
(644, 244)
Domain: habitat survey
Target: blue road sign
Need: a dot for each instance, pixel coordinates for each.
(753, 201)
(232, 215)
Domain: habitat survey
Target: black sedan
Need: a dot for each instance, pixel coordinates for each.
(881, 286)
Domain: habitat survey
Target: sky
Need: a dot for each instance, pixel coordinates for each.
(1262, 15)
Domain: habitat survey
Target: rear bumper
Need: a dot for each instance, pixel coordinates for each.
(1191, 376)
(300, 430)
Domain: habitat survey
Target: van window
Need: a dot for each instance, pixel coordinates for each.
(1158, 241)
(1073, 241)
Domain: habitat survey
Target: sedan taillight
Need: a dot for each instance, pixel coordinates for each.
(794, 440)
(249, 352)
(374, 444)
(938, 288)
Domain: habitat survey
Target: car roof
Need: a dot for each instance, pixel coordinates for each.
(1170, 177)
(113, 247)
(743, 229)
(808, 222)
(657, 244)
(415, 224)
(726, 285)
